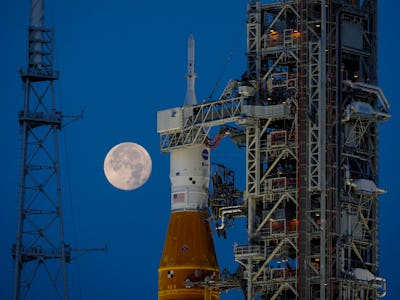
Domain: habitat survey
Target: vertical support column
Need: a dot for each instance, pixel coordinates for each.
(253, 189)
(322, 152)
(253, 44)
(18, 263)
(59, 208)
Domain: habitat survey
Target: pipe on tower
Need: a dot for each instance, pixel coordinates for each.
(36, 25)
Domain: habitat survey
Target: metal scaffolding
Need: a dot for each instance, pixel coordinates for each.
(40, 250)
(308, 107)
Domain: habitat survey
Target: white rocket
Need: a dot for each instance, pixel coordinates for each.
(189, 174)
(189, 253)
(190, 98)
(190, 167)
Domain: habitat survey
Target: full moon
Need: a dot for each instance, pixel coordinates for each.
(127, 166)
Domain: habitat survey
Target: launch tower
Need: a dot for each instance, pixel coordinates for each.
(307, 110)
(40, 250)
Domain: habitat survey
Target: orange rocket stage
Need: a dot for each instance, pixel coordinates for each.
(188, 255)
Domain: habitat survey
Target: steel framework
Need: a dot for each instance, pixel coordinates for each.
(309, 108)
(40, 250)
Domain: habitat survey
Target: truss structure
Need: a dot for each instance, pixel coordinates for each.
(308, 107)
(40, 250)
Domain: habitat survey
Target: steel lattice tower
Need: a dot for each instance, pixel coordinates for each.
(313, 195)
(40, 250)
(307, 112)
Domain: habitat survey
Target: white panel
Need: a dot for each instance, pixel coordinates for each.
(170, 119)
(190, 174)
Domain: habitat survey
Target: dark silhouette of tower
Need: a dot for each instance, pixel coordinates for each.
(40, 250)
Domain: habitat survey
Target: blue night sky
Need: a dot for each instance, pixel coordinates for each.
(120, 62)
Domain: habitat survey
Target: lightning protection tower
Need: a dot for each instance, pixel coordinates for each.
(40, 250)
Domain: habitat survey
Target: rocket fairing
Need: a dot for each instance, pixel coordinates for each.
(188, 256)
